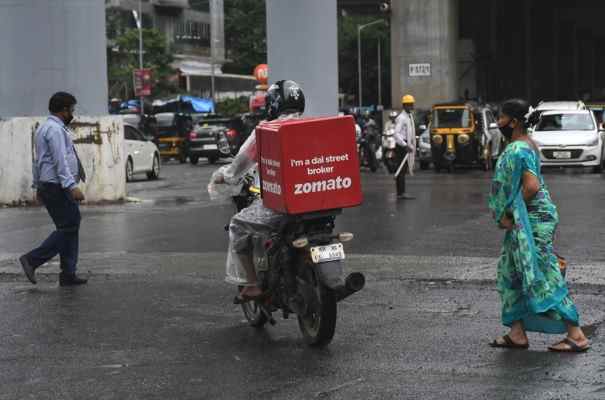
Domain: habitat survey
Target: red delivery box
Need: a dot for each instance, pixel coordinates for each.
(308, 164)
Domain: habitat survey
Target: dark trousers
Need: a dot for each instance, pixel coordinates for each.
(400, 153)
(65, 213)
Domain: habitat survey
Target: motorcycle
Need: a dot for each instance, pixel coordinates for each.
(303, 272)
(388, 150)
(367, 147)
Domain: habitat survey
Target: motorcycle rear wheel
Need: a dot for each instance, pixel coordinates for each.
(318, 326)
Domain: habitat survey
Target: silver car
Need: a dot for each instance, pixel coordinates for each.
(569, 138)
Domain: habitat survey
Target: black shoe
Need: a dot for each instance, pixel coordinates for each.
(70, 280)
(29, 269)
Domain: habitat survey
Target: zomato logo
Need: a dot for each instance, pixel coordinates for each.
(323, 186)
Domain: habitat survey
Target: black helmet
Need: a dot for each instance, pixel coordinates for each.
(284, 96)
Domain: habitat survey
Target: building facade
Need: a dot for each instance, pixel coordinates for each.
(194, 31)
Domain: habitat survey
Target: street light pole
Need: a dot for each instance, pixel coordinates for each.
(139, 21)
(360, 82)
(379, 74)
(213, 40)
(212, 72)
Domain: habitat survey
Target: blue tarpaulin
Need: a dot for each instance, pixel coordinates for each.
(199, 104)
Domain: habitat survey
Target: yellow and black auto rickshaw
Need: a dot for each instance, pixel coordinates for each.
(456, 136)
(174, 122)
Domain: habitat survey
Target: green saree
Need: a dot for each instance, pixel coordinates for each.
(529, 281)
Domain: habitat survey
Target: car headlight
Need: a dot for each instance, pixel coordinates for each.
(463, 138)
(437, 139)
(593, 142)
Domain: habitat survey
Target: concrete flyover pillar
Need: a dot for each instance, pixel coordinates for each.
(424, 38)
(302, 45)
(48, 46)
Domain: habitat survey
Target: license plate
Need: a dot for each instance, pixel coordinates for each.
(210, 147)
(561, 154)
(164, 145)
(331, 252)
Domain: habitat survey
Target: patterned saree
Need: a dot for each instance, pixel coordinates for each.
(529, 280)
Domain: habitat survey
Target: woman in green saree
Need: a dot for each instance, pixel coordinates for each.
(534, 294)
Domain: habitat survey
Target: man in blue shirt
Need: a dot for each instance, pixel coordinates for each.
(56, 174)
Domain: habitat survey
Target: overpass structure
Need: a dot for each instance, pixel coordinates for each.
(443, 50)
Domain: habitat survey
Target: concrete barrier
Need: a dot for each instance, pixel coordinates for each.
(99, 142)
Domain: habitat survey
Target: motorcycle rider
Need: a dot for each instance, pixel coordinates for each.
(405, 137)
(391, 123)
(284, 100)
(368, 121)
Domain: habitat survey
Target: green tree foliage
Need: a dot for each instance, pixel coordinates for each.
(230, 107)
(347, 58)
(123, 59)
(245, 35)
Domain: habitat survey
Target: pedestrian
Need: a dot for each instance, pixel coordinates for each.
(533, 291)
(405, 139)
(56, 173)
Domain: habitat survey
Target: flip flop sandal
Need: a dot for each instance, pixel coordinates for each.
(509, 344)
(573, 347)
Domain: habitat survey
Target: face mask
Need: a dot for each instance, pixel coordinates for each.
(507, 131)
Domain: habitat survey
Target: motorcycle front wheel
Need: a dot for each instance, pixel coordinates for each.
(319, 322)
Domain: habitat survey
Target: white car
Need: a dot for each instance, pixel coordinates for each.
(560, 106)
(569, 138)
(143, 155)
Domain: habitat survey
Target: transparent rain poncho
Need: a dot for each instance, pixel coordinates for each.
(251, 227)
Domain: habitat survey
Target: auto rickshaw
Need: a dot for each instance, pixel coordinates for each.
(171, 131)
(456, 136)
(175, 121)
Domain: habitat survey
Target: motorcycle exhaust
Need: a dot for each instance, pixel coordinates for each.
(353, 283)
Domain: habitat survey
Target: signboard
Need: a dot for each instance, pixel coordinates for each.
(309, 164)
(420, 69)
(261, 73)
(142, 82)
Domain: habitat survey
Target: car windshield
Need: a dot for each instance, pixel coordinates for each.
(451, 118)
(566, 122)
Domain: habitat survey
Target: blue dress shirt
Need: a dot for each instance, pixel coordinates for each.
(56, 160)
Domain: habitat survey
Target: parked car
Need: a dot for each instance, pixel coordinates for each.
(175, 117)
(560, 105)
(492, 140)
(425, 156)
(146, 123)
(142, 155)
(209, 138)
(598, 109)
(557, 106)
(569, 138)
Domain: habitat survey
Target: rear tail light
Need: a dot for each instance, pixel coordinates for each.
(300, 242)
(192, 135)
(231, 133)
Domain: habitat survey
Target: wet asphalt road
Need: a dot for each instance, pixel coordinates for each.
(156, 320)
